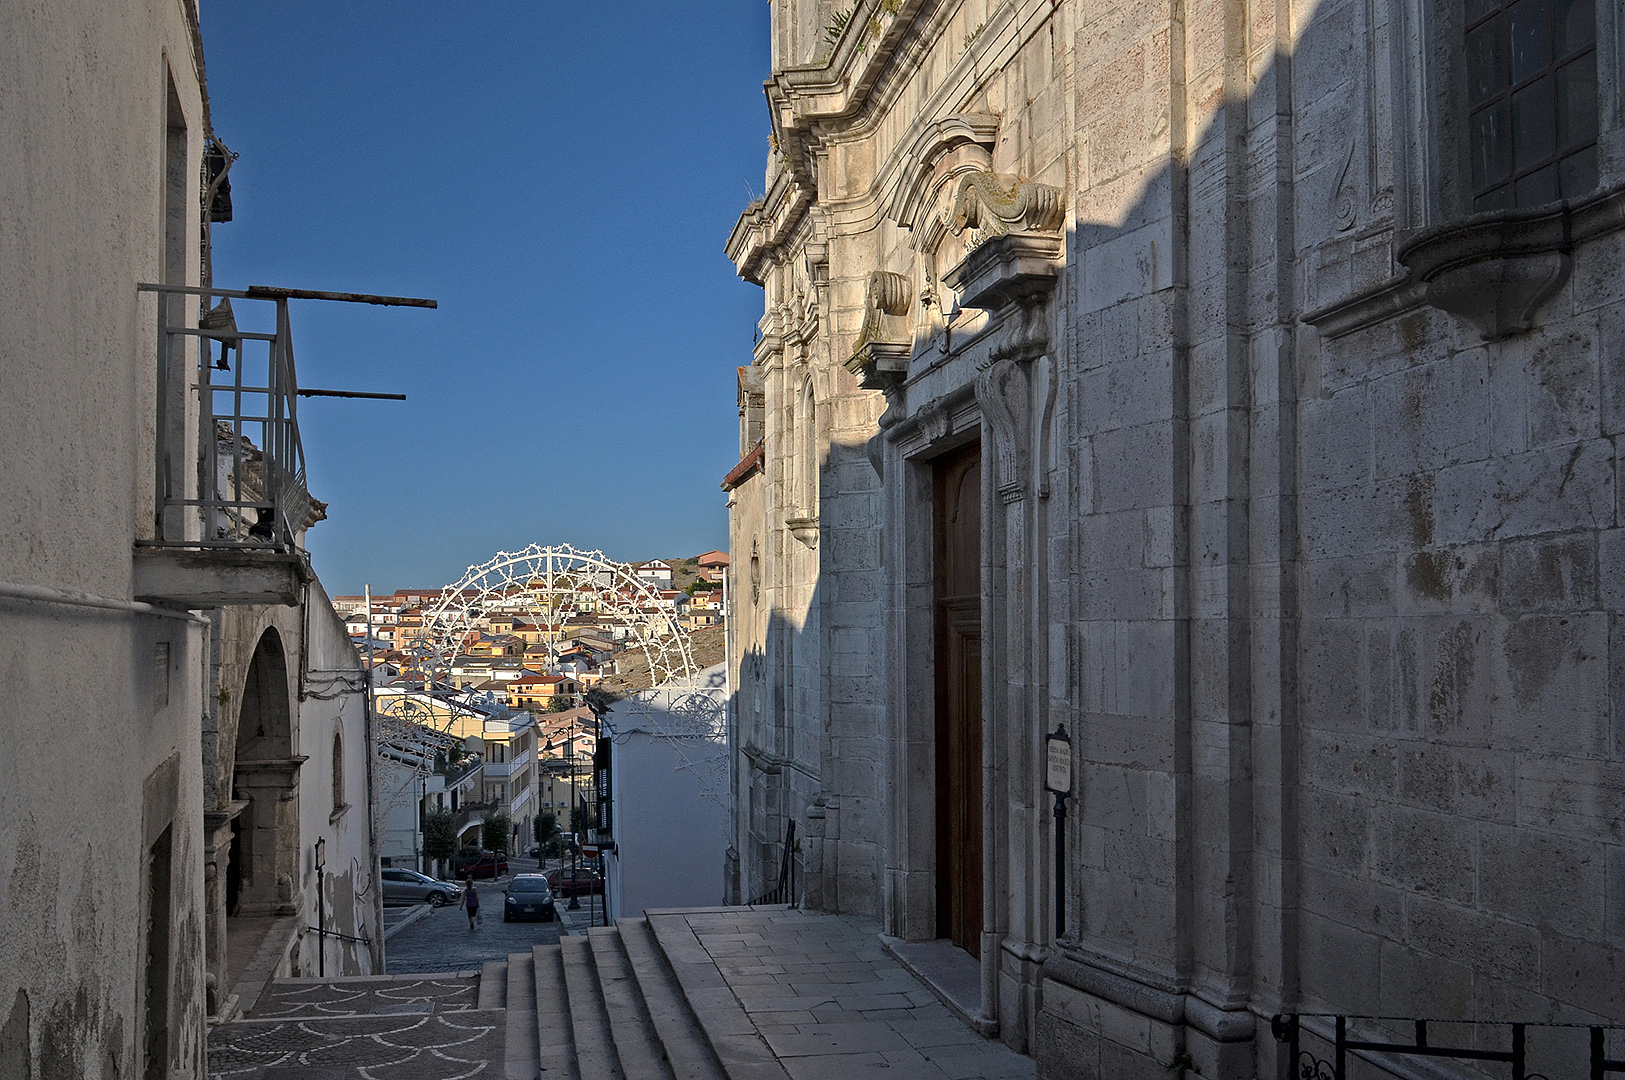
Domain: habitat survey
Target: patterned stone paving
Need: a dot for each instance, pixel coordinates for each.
(368, 996)
(445, 1046)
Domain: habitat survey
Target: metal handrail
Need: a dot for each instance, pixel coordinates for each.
(1288, 1028)
(246, 432)
(218, 508)
(784, 891)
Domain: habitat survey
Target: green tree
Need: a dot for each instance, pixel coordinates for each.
(548, 832)
(439, 835)
(578, 818)
(495, 832)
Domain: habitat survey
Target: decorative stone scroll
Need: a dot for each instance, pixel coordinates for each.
(985, 203)
(880, 359)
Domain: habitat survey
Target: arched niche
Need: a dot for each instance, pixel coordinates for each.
(261, 870)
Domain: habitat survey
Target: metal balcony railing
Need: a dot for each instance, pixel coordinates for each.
(230, 470)
(471, 813)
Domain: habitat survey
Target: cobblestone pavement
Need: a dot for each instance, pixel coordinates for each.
(443, 1046)
(442, 940)
(832, 1005)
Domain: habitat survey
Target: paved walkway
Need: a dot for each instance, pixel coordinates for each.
(829, 1002)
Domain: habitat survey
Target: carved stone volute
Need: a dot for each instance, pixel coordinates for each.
(880, 359)
(987, 204)
(886, 299)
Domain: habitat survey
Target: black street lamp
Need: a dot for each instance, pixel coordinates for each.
(575, 839)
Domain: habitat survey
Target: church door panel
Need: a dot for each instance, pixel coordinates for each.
(957, 513)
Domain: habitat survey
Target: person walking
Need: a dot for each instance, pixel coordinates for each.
(471, 902)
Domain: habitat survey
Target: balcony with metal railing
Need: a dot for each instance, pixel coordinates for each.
(230, 502)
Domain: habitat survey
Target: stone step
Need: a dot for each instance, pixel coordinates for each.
(520, 1041)
(636, 1042)
(733, 1038)
(555, 1042)
(687, 1052)
(493, 985)
(589, 1022)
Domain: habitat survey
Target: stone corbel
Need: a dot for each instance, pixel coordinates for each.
(880, 360)
(804, 529)
(1494, 270)
(1008, 269)
(985, 203)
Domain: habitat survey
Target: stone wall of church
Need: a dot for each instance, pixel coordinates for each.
(1300, 512)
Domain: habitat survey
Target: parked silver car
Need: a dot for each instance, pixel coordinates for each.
(410, 887)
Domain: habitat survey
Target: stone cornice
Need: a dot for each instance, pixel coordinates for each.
(766, 225)
(1007, 268)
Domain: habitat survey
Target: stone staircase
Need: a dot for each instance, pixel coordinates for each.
(646, 999)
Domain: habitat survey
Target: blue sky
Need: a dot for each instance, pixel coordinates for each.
(561, 177)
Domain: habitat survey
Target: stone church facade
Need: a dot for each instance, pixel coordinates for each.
(1237, 389)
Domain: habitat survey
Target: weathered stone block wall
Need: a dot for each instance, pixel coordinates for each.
(1327, 606)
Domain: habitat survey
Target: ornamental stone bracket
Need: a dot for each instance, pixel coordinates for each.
(804, 529)
(986, 204)
(1017, 398)
(1492, 270)
(880, 359)
(1012, 273)
(1008, 269)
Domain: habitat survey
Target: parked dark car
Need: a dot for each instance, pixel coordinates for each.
(568, 882)
(480, 864)
(528, 897)
(402, 886)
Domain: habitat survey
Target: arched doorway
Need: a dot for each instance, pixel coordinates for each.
(262, 863)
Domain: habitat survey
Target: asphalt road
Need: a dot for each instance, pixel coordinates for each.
(442, 940)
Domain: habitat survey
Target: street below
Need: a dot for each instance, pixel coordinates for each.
(442, 941)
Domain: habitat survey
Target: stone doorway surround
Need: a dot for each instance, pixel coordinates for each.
(990, 375)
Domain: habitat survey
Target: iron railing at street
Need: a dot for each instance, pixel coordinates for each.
(1528, 1051)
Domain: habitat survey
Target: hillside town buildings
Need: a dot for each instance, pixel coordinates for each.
(1212, 411)
(505, 732)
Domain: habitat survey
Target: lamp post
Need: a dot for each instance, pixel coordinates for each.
(575, 840)
(321, 908)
